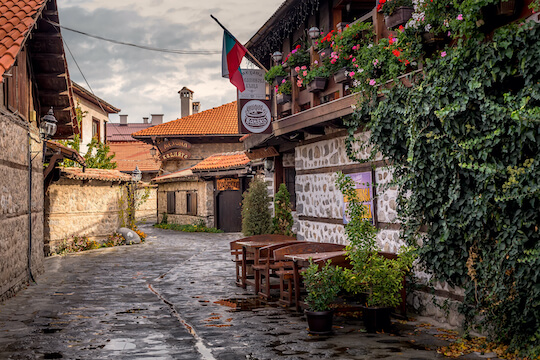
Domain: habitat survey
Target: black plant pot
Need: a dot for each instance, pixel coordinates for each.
(320, 322)
(278, 80)
(317, 84)
(341, 76)
(377, 319)
(283, 98)
(400, 16)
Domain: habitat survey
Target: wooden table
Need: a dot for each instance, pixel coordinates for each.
(253, 247)
(302, 260)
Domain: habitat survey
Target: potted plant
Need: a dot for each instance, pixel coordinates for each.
(396, 12)
(322, 285)
(283, 92)
(324, 45)
(275, 73)
(379, 275)
(297, 57)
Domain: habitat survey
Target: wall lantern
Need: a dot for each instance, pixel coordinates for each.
(277, 56)
(153, 151)
(136, 175)
(314, 32)
(47, 128)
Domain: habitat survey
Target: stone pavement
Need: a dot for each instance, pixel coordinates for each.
(167, 299)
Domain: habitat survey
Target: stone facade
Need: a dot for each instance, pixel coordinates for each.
(200, 152)
(14, 213)
(147, 211)
(82, 208)
(205, 201)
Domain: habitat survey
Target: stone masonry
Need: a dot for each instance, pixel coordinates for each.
(14, 216)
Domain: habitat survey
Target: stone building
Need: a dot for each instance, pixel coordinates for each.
(34, 78)
(96, 113)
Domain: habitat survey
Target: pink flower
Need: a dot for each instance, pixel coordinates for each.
(443, 53)
(449, 34)
(297, 69)
(351, 74)
(294, 51)
(299, 83)
(322, 54)
(354, 59)
(304, 67)
(316, 62)
(372, 82)
(304, 73)
(356, 65)
(394, 39)
(459, 17)
(283, 81)
(375, 62)
(333, 61)
(354, 47)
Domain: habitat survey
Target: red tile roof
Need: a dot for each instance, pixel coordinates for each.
(95, 174)
(221, 120)
(16, 19)
(118, 132)
(128, 155)
(222, 161)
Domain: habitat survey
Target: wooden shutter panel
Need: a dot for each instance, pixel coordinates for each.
(171, 202)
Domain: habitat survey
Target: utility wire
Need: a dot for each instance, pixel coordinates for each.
(170, 51)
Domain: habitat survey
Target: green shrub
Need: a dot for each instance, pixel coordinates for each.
(197, 227)
(283, 220)
(322, 285)
(256, 218)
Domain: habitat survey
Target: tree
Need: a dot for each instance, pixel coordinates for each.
(283, 220)
(256, 218)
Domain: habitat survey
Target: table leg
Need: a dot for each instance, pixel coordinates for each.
(244, 266)
(296, 277)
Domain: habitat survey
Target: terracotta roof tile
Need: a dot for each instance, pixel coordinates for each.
(95, 174)
(222, 161)
(221, 120)
(128, 155)
(16, 19)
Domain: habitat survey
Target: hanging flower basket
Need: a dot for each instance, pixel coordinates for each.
(341, 76)
(283, 98)
(317, 84)
(399, 17)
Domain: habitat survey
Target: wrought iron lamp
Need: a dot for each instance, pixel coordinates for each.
(277, 56)
(153, 151)
(314, 32)
(136, 175)
(48, 127)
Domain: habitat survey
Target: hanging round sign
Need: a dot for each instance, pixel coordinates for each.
(256, 116)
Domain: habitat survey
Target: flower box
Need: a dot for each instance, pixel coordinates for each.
(283, 98)
(317, 84)
(399, 17)
(341, 76)
(325, 53)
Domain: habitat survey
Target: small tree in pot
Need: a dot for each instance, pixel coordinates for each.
(322, 285)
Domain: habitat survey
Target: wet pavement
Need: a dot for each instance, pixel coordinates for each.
(174, 297)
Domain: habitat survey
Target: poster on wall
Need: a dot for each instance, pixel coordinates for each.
(255, 85)
(364, 190)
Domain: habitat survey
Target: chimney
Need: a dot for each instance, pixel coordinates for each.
(186, 102)
(157, 119)
(145, 120)
(196, 107)
(123, 119)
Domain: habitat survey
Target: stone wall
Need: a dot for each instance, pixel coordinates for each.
(82, 208)
(205, 201)
(147, 211)
(14, 214)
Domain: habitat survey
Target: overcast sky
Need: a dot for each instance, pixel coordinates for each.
(142, 82)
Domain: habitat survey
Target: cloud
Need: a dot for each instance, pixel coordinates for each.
(143, 82)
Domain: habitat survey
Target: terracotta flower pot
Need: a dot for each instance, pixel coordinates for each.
(317, 84)
(399, 17)
(320, 322)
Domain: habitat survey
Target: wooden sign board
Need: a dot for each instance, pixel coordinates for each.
(175, 154)
(255, 117)
(228, 184)
(172, 144)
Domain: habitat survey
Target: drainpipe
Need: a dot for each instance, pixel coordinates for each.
(30, 275)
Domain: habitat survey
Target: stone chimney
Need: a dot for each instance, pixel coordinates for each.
(157, 119)
(186, 102)
(196, 107)
(145, 120)
(123, 120)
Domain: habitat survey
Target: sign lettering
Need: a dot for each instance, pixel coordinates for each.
(175, 154)
(255, 85)
(228, 184)
(255, 116)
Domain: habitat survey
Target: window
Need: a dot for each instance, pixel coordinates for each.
(171, 202)
(191, 203)
(96, 129)
(290, 175)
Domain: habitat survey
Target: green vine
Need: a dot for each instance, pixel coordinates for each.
(464, 143)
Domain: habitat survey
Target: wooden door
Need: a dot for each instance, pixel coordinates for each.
(229, 207)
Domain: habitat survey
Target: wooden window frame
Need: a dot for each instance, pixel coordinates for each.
(171, 202)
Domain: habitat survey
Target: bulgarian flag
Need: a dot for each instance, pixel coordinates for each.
(232, 55)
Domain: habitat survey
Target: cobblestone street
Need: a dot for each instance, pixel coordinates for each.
(161, 300)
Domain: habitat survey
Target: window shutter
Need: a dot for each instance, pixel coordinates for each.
(171, 202)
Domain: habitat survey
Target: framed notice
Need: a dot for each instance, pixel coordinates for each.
(255, 117)
(364, 190)
(228, 184)
(255, 85)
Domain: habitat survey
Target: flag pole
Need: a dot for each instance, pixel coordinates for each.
(247, 51)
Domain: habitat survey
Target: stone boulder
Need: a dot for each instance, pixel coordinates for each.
(130, 236)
